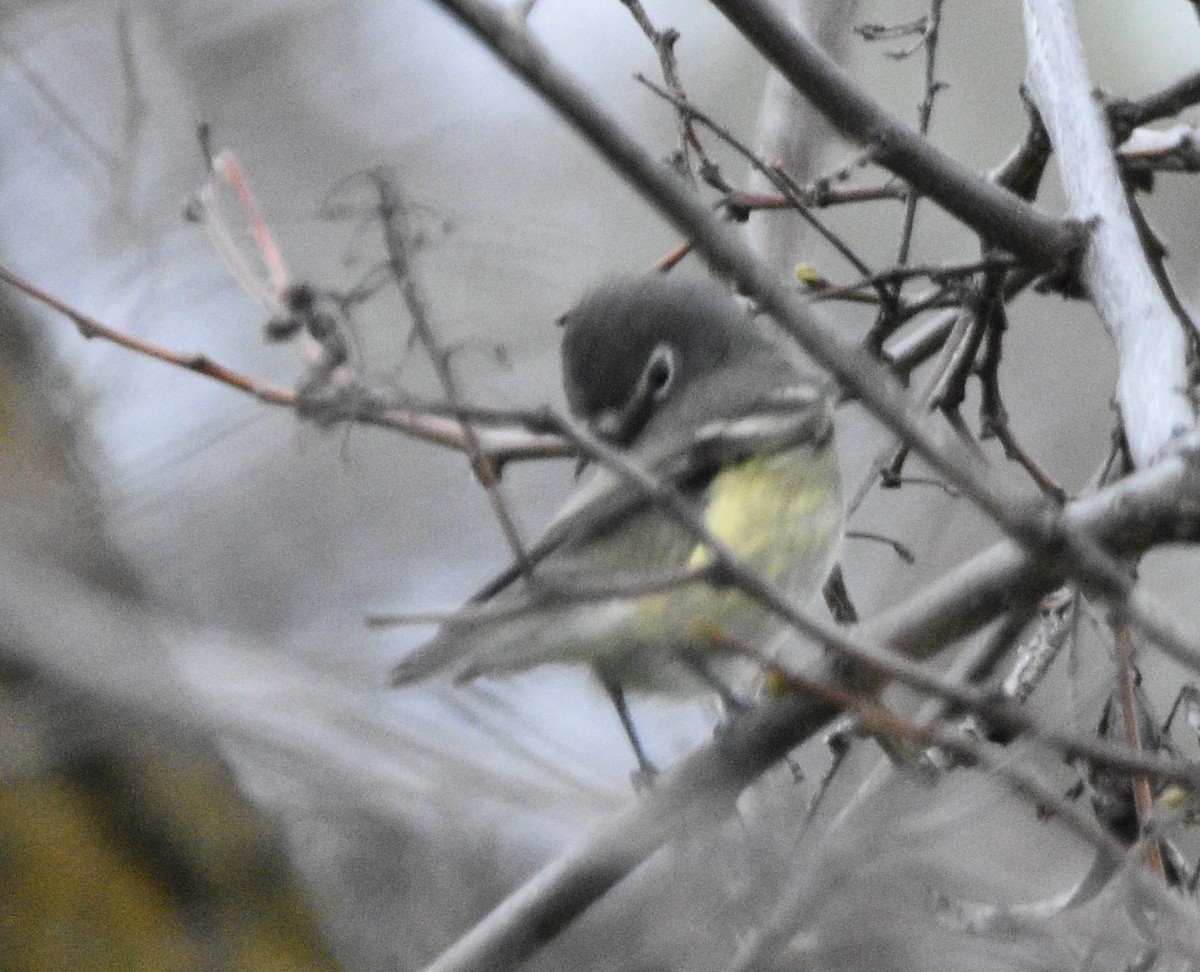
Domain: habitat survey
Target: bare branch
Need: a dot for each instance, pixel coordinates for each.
(1152, 382)
(1056, 626)
(996, 214)
(781, 185)
(1150, 150)
(398, 240)
(1127, 680)
(929, 37)
(1125, 115)
(993, 416)
(664, 42)
(60, 110)
(906, 352)
(818, 194)
(436, 425)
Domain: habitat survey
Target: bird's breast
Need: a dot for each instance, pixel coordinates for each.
(783, 514)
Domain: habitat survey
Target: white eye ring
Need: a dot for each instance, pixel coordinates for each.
(659, 375)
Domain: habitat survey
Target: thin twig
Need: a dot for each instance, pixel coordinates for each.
(109, 159)
(500, 445)
(817, 194)
(898, 548)
(671, 260)
(886, 322)
(930, 36)
(783, 186)
(889, 461)
(907, 352)
(950, 389)
(871, 32)
(1143, 799)
(837, 597)
(993, 416)
(204, 207)
(946, 275)
(664, 42)
(398, 242)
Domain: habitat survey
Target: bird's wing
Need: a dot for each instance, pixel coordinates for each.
(779, 421)
(606, 499)
(780, 418)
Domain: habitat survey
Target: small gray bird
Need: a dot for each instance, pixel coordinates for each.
(674, 372)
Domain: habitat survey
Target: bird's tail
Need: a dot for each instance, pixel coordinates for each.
(445, 653)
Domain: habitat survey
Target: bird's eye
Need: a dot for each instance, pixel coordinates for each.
(660, 371)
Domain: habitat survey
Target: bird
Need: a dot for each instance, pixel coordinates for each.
(676, 374)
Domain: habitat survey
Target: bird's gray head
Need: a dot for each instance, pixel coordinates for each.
(633, 345)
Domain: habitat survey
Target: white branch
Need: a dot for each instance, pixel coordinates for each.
(1152, 381)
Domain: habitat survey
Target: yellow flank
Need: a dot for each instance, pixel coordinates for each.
(767, 509)
(781, 512)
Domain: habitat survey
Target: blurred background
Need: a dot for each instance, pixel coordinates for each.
(265, 542)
